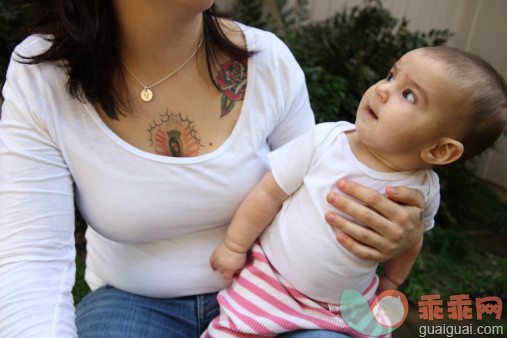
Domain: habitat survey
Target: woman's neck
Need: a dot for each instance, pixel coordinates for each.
(156, 36)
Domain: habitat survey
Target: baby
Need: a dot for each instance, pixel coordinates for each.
(436, 105)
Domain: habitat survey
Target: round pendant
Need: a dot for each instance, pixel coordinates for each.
(146, 95)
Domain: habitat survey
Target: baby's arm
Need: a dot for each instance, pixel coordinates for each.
(254, 214)
(397, 269)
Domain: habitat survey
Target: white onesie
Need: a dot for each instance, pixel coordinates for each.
(299, 243)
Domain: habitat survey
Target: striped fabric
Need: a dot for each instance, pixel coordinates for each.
(260, 302)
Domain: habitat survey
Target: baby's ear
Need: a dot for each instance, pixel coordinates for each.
(446, 151)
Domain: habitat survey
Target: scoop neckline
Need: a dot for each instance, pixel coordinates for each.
(194, 159)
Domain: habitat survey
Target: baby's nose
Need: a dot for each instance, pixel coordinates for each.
(382, 92)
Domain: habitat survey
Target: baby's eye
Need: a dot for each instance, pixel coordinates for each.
(409, 96)
(390, 77)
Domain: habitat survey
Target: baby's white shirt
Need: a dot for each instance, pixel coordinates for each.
(299, 243)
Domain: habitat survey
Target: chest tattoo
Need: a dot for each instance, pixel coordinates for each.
(232, 79)
(173, 135)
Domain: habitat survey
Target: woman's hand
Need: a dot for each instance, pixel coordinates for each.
(396, 226)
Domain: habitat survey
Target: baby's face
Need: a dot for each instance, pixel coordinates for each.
(403, 113)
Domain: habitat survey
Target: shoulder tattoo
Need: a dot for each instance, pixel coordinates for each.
(232, 79)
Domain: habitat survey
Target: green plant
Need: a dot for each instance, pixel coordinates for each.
(343, 55)
(354, 49)
(468, 203)
(450, 264)
(468, 268)
(251, 13)
(292, 17)
(80, 288)
(285, 19)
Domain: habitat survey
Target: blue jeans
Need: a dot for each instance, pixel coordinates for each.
(110, 312)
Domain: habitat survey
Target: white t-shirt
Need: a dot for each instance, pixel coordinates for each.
(299, 243)
(153, 220)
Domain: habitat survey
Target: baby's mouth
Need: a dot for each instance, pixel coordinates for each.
(372, 113)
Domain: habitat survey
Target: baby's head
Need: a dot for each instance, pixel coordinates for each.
(437, 105)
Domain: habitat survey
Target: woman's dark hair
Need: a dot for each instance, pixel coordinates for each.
(84, 34)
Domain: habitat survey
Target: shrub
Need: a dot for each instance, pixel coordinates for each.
(345, 54)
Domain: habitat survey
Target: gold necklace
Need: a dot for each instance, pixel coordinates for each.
(147, 93)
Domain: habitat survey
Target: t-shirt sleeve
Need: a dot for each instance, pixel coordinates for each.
(37, 216)
(291, 162)
(432, 201)
(296, 115)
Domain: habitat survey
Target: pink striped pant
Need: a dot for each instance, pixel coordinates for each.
(260, 302)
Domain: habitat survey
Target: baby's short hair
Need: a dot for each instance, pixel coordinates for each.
(484, 97)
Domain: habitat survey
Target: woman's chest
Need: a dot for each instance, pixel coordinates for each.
(182, 124)
(130, 195)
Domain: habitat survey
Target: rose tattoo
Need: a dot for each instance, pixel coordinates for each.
(232, 79)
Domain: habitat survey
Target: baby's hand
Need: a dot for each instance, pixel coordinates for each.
(226, 261)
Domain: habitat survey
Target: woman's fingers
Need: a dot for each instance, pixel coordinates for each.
(360, 250)
(391, 228)
(370, 197)
(396, 217)
(406, 196)
(412, 198)
(359, 240)
(362, 213)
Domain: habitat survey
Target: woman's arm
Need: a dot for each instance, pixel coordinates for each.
(254, 214)
(36, 217)
(396, 222)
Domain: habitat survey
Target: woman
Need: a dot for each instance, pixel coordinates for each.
(156, 116)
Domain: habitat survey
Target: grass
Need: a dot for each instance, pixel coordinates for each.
(452, 264)
(80, 287)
